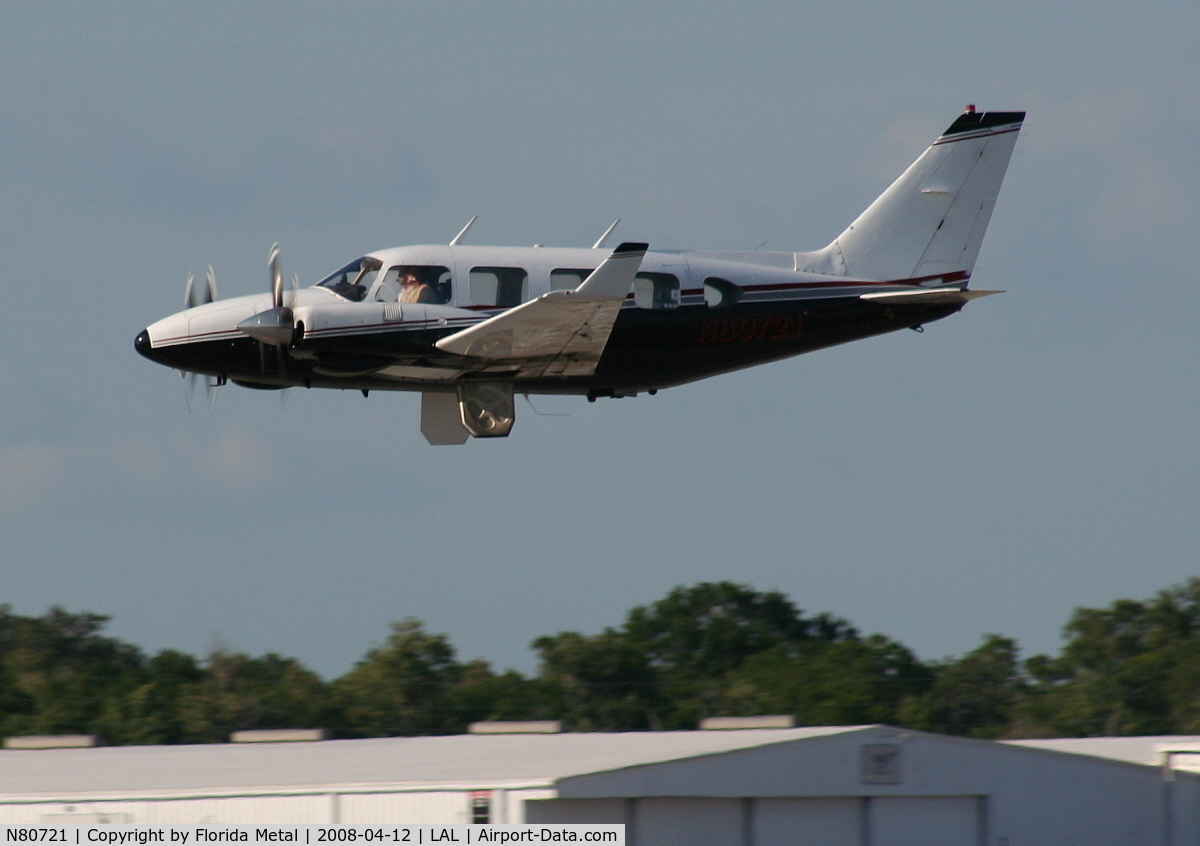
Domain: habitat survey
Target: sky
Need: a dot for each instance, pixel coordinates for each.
(1034, 453)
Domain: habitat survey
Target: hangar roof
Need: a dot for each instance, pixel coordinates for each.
(1138, 750)
(461, 761)
(830, 760)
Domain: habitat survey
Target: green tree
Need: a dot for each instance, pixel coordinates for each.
(696, 636)
(974, 695)
(401, 687)
(599, 683)
(670, 664)
(58, 675)
(844, 682)
(710, 628)
(1131, 668)
(150, 712)
(478, 693)
(238, 692)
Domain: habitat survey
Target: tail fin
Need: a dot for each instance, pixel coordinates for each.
(930, 222)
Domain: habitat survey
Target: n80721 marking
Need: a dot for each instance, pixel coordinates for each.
(770, 327)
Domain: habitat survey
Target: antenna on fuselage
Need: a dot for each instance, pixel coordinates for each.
(604, 237)
(454, 241)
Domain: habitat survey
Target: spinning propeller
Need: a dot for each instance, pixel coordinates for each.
(194, 296)
(275, 327)
(189, 389)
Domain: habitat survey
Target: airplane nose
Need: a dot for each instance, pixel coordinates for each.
(142, 343)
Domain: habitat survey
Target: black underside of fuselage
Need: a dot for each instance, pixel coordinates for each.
(647, 350)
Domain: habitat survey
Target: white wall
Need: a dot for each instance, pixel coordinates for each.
(351, 807)
(442, 806)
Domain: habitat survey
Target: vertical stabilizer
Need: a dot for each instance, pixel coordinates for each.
(931, 221)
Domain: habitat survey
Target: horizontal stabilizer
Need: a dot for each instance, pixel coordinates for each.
(925, 295)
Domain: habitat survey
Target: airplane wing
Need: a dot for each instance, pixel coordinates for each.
(561, 333)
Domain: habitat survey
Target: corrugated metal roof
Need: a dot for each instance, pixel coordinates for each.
(468, 760)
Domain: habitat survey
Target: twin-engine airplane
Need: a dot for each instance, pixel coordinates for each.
(471, 326)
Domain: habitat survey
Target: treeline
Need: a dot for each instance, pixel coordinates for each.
(713, 649)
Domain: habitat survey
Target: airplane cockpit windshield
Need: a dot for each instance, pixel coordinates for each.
(354, 280)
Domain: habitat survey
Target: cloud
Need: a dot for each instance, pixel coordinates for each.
(238, 461)
(1118, 143)
(306, 164)
(30, 474)
(228, 461)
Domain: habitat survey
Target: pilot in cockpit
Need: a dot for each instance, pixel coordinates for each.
(412, 289)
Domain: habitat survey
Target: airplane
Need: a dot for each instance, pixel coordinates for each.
(470, 327)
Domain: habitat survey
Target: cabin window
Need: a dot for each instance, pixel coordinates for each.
(656, 290)
(354, 280)
(499, 286)
(566, 279)
(436, 280)
(720, 293)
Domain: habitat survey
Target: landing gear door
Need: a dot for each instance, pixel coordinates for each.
(441, 422)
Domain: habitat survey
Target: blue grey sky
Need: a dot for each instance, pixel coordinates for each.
(1034, 453)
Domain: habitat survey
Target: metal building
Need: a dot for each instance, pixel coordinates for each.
(831, 786)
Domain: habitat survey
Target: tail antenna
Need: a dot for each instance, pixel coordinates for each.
(604, 237)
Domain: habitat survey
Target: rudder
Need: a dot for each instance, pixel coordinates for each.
(930, 222)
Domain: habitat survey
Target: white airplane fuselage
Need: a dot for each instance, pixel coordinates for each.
(683, 337)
